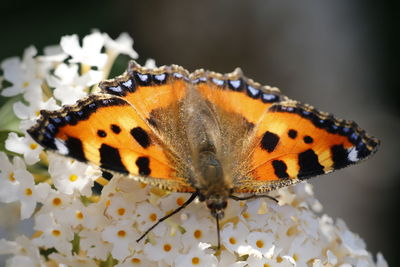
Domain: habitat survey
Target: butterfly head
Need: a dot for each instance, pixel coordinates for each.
(217, 205)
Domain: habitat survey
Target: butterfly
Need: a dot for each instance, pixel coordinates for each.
(216, 136)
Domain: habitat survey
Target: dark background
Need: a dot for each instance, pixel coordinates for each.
(340, 56)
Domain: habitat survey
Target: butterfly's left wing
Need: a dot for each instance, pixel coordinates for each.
(294, 142)
(107, 131)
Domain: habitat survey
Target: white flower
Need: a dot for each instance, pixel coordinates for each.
(8, 184)
(381, 262)
(26, 252)
(53, 234)
(197, 257)
(53, 54)
(123, 238)
(21, 74)
(199, 230)
(71, 175)
(72, 260)
(147, 215)
(261, 244)
(69, 85)
(90, 52)
(56, 200)
(353, 243)
(228, 259)
(136, 260)
(122, 45)
(29, 193)
(255, 261)
(75, 214)
(24, 145)
(94, 246)
(166, 249)
(31, 111)
(120, 207)
(234, 236)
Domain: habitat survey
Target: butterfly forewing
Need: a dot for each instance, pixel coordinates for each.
(106, 131)
(296, 142)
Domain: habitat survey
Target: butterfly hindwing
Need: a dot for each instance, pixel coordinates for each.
(295, 142)
(105, 130)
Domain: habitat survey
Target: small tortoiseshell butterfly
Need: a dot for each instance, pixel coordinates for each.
(204, 133)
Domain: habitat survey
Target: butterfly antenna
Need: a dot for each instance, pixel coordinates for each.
(192, 197)
(219, 235)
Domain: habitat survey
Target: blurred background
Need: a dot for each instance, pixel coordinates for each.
(340, 56)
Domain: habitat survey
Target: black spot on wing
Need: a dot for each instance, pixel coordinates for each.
(111, 159)
(308, 139)
(143, 164)
(339, 156)
(101, 133)
(75, 148)
(141, 137)
(292, 133)
(309, 164)
(143, 79)
(280, 169)
(269, 141)
(115, 128)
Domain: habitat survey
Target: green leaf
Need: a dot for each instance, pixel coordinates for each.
(109, 262)
(8, 120)
(76, 244)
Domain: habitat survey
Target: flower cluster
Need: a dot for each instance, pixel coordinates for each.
(73, 227)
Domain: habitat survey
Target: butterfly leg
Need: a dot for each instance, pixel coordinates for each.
(192, 197)
(252, 196)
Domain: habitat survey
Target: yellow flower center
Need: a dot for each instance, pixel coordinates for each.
(73, 177)
(167, 247)
(56, 232)
(121, 233)
(57, 201)
(33, 146)
(79, 215)
(135, 260)
(260, 243)
(195, 260)
(121, 211)
(266, 265)
(197, 234)
(28, 192)
(232, 240)
(25, 84)
(295, 257)
(246, 215)
(153, 217)
(11, 177)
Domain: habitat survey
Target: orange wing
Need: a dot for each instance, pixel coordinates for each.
(295, 142)
(148, 90)
(234, 93)
(107, 131)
